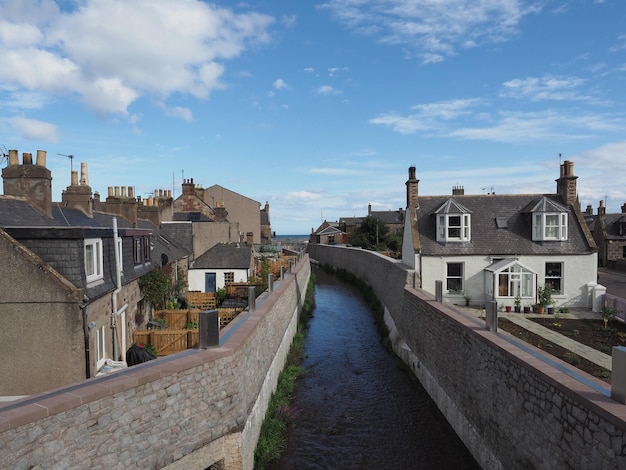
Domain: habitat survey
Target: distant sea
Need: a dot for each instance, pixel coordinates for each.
(291, 238)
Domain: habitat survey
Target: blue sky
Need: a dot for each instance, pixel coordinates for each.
(320, 107)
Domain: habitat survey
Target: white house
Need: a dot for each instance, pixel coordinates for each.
(499, 247)
(223, 263)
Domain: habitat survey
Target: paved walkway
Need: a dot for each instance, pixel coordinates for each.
(523, 320)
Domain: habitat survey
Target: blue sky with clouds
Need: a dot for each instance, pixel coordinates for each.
(320, 107)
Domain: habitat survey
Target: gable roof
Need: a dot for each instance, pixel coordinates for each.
(225, 256)
(490, 236)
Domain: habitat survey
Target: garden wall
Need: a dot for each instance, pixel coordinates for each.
(189, 410)
(513, 406)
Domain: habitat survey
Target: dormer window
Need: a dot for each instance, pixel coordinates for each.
(549, 221)
(93, 259)
(453, 222)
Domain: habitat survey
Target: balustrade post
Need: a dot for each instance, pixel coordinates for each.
(208, 329)
(251, 299)
(270, 282)
(492, 316)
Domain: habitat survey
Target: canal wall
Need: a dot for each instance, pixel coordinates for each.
(512, 405)
(186, 411)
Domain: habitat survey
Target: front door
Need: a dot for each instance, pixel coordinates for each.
(209, 282)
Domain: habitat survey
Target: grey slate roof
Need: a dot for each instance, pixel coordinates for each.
(487, 238)
(225, 256)
(611, 225)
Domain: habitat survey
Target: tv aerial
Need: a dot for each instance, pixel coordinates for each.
(4, 154)
(71, 157)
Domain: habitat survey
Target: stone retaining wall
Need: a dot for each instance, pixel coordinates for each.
(513, 406)
(187, 411)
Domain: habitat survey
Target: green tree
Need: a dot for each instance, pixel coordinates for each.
(371, 234)
(155, 286)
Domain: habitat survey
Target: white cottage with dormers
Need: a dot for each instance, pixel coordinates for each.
(502, 247)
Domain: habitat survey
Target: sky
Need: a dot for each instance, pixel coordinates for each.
(320, 107)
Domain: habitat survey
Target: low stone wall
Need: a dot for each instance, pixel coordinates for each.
(187, 411)
(513, 406)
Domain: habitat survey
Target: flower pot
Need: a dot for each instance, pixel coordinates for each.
(526, 309)
(508, 308)
(517, 309)
(538, 309)
(550, 310)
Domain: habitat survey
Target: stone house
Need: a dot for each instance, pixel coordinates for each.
(499, 247)
(609, 233)
(393, 219)
(328, 233)
(71, 296)
(222, 264)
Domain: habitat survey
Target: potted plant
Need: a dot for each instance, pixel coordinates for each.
(508, 308)
(518, 304)
(467, 299)
(527, 308)
(545, 297)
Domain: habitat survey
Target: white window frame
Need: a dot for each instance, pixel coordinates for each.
(550, 277)
(449, 229)
(100, 347)
(460, 278)
(550, 226)
(93, 259)
(519, 282)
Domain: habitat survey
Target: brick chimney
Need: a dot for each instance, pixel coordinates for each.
(601, 208)
(148, 209)
(78, 194)
(589, 210)
(411, 189)
(624, 208)
(121, 204)
(28, 181)
(458, 190)
(566, 184)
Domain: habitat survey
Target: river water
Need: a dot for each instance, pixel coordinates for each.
(358, 408)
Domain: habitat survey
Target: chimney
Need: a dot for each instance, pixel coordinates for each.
(566, 184)
(220, 214)
(118, 203)
(411, 189)
(249, 238)
(601, 208)
(589, 210)
(369, 209)
(458, 190)
(624, 208)
(188, 187)
(78, 196)
(28, 181)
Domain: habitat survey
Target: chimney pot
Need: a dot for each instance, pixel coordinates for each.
(13, 158)
(84, 176)
(123, 188)
(131, 191)
(116, 191)
(27, 158)
(74, 178)
(41, 158)
(110, 191)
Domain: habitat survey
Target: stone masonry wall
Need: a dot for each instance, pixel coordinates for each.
(513, 406)
(191, 408)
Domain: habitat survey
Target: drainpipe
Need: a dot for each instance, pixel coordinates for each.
(83, 309)
(118, 288)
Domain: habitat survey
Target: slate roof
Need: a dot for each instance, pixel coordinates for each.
(611, 223)
(488, 213)
(389, 217)
(225, 256)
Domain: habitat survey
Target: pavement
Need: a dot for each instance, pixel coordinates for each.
(524, 320)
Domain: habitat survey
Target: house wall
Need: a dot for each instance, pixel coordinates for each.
(186, 411)
(580, 274)
(511, 408)
(196, 277)
(48, 349)
(208, 234)
(241, 209)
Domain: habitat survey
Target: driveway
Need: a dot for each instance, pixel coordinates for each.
(614, 281)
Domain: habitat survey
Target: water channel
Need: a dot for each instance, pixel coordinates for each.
(358, 408)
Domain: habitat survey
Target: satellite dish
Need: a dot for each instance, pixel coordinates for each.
(164, 259)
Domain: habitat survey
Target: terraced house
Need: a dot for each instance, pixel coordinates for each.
(502, 247)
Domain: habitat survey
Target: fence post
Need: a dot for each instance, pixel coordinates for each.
(270, 282)
(282, 273)
(492, 315)
(208, 329)
(251, 299)
(439, 291)
(618, 374)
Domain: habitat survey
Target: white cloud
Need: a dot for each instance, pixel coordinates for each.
(327, 90)
(111, 52)
(335, 171)
(32, 129)
(280, 84)
(301, 196)
(434, 29)
(544, 88)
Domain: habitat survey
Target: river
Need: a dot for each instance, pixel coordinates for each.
(358, 407)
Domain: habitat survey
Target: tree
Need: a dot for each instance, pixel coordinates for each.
(370, 234)
(155, 286)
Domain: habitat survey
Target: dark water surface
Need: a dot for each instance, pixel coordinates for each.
(358, 408)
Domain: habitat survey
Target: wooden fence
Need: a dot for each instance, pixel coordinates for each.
(179, 329)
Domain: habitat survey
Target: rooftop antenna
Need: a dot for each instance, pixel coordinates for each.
(560, 162)
(4, 154)
(71, 157)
